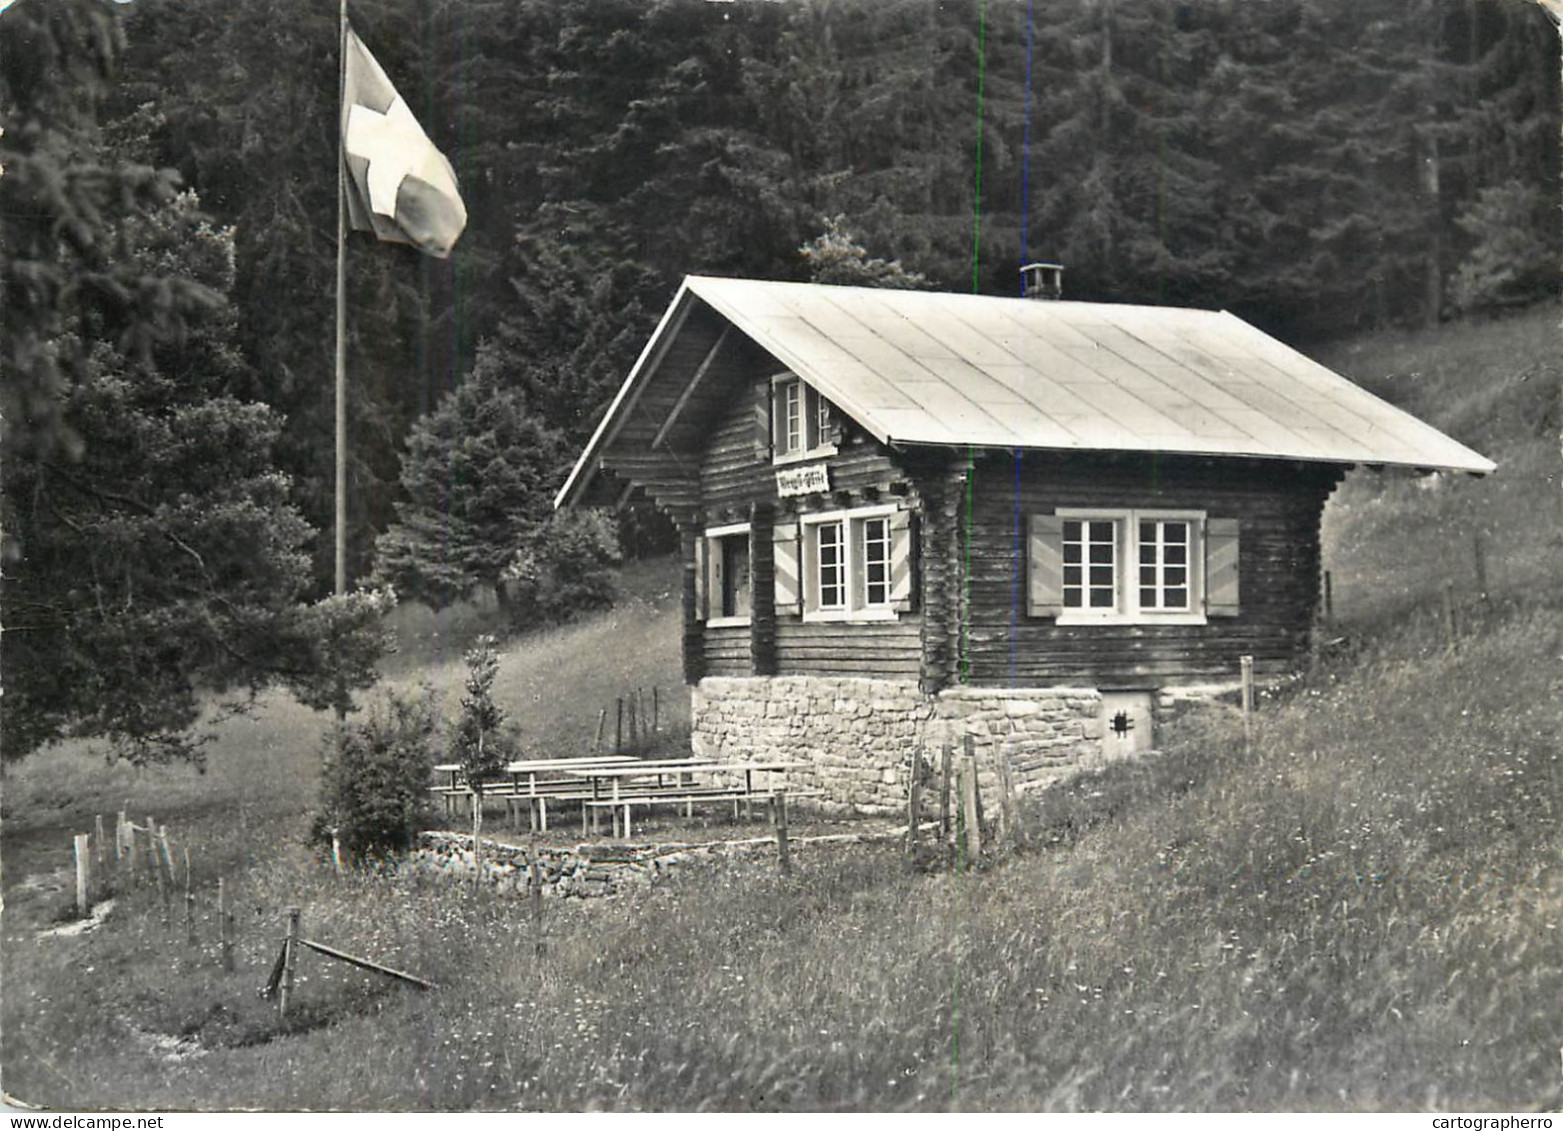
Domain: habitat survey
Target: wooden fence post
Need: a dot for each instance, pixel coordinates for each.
(602, 721)
(914, 810)
(656, 711)
(971, 752)
(100, 852)
(189, 902)
(289, 955)
(157, 869)
(83, 848)
(477, 836)
(1479, 552)
(779, 808)
(224, 924)
(634, 721)
(336, 850)
(119, 849)
(1246, 667)
(1329, 598)
(618, 725)
(945, 766)
(970, 818)
(1449, 625)
(168, 856)
(535, 874)
(1009, 808)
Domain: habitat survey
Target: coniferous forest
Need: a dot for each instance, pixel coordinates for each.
(169, 198)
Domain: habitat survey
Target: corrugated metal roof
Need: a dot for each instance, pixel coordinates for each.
(920, 367)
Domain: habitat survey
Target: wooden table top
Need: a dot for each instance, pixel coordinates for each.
(532, 764)
(674, 765)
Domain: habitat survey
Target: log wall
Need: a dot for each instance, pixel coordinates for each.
(1278, 505)
(737, 482)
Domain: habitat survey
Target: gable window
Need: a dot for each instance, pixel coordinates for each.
(855, 565)
(724, 582)
(803, 421)
(1131, 566)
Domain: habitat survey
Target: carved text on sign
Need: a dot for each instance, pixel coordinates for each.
(810, 480)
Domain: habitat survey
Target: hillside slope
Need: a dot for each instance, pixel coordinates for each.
(1392, 540)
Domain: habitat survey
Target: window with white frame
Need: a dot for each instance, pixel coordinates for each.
(804, 425)
(856, 564)
(726, 588)
(1142, 566)
(876, 561)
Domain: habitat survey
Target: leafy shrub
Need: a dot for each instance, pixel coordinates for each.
(565, 568)
(375, 791)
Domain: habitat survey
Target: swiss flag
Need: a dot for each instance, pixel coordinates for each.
(398, 185)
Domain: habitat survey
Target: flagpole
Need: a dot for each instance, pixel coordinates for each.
(341, 310)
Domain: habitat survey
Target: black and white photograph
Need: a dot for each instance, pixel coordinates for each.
(781, 556)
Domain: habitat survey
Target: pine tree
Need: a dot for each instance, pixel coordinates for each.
(482, 743)
(478, 476)
(836, 257)
(160, 557)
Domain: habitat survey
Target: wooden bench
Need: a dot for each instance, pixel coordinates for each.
(456, 788)
(687, 798)
(537, 803)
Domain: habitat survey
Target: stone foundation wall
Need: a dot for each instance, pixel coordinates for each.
(858, 736)
(1046, 734)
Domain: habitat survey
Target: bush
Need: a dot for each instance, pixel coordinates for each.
(567, 567)
(375, 791)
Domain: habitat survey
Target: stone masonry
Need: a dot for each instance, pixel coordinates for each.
(858, 736)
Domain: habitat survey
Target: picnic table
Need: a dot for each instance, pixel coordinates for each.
(620, 788)
(534, 771)
(618, 782)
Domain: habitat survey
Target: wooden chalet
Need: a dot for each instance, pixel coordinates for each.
(905, 515)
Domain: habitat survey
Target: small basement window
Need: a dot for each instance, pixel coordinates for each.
(1131, 566)
(803, 422)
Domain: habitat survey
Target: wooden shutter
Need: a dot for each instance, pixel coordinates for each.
(762, 420)
(702, 581)
(903, 589)
(1045, 566)
(789, 575)
(1221, 567)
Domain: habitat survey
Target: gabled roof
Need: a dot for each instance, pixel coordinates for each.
(919, 367)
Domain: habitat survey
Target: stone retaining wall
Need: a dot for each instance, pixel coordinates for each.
(584, 870)
(587, 869)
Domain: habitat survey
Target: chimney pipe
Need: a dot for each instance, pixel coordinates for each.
(1042, 280)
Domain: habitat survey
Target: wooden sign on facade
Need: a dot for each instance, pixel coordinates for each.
(813, 479)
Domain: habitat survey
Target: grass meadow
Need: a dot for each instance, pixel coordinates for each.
(1359, 908)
